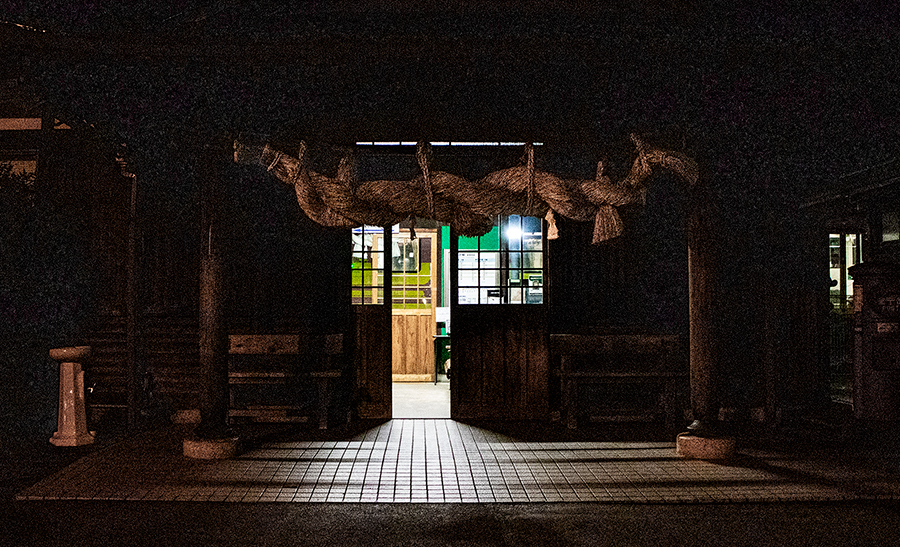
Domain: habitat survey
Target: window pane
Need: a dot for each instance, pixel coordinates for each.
(890, 227)
(852, 249)
(500, 262)
(468, 296)
(533, 260)
(490, 278)
(405, 255)
(532, 238)
(515, 260)
(514, 233)
(366, 277)
(468, 279)
(515, 296)
(467, 260)
(488, 260)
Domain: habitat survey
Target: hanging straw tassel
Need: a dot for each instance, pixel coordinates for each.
(529, 151)
(423, 151)
(552, 230)
(607, 224)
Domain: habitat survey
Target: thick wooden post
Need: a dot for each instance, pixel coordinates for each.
(705, 438)
(137, 369)
(136, 365)
(703, 285)
(213, 332)
(213, 351)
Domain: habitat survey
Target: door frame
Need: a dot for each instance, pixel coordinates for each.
(425, 346)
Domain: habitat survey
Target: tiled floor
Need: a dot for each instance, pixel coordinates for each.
(442, 461)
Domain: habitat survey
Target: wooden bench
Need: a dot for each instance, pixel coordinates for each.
(646, 362)
(276, 362)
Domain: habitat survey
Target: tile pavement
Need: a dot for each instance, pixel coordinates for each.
(442, 461)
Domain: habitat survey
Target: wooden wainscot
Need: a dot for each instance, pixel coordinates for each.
(621, 377)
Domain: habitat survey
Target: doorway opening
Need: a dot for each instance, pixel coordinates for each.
(402, 297)
(405, 270)
(845, 251)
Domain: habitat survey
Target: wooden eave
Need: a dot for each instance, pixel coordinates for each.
(853, 190)
(179, 48)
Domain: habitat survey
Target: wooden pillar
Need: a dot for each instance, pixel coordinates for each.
(705, 438)
(213, 330)
(703, 286)
(136, 365)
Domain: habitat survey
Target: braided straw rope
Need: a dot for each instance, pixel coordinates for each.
(468, 206)
(423, 151)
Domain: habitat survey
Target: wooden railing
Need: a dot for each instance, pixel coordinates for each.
(274, 360)
(634, 377)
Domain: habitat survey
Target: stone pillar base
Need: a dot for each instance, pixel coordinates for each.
(704, 448)
(77, 439)
(210, 449)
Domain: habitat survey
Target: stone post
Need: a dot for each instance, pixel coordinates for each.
(71, 418)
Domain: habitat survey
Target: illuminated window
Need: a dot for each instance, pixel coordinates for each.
(845, 251)
(890, 227)
(368, 266)
(411, 267)
(504, 266)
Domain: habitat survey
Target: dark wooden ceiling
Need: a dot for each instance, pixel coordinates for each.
(566, 73)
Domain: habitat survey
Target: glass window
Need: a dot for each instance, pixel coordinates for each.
(890, 227)
(504, 266)
(411, 264)
(845, 251)
(367, 265)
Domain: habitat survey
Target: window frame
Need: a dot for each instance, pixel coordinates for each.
(507, 262)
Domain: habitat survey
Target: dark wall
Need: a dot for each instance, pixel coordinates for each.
(51, 282)
(770, 102)
(636, 282)
(287, 273)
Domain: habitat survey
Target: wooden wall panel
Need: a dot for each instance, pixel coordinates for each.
(500, 363)
(372, 352)
(169, 346)
(413, 346)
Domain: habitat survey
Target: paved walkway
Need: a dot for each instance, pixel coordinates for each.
(421, 400)
(442, 461)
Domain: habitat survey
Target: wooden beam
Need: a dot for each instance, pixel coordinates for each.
(214, 343)
(703, 299)
(296, 51)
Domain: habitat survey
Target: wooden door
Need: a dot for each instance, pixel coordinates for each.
(500, 335)
(413, 288)
(372, 330)
(500, 363)
(371, 295)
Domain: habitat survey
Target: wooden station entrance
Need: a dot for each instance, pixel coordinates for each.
(495, 288)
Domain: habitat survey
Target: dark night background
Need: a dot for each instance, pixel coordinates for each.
(773, 99)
